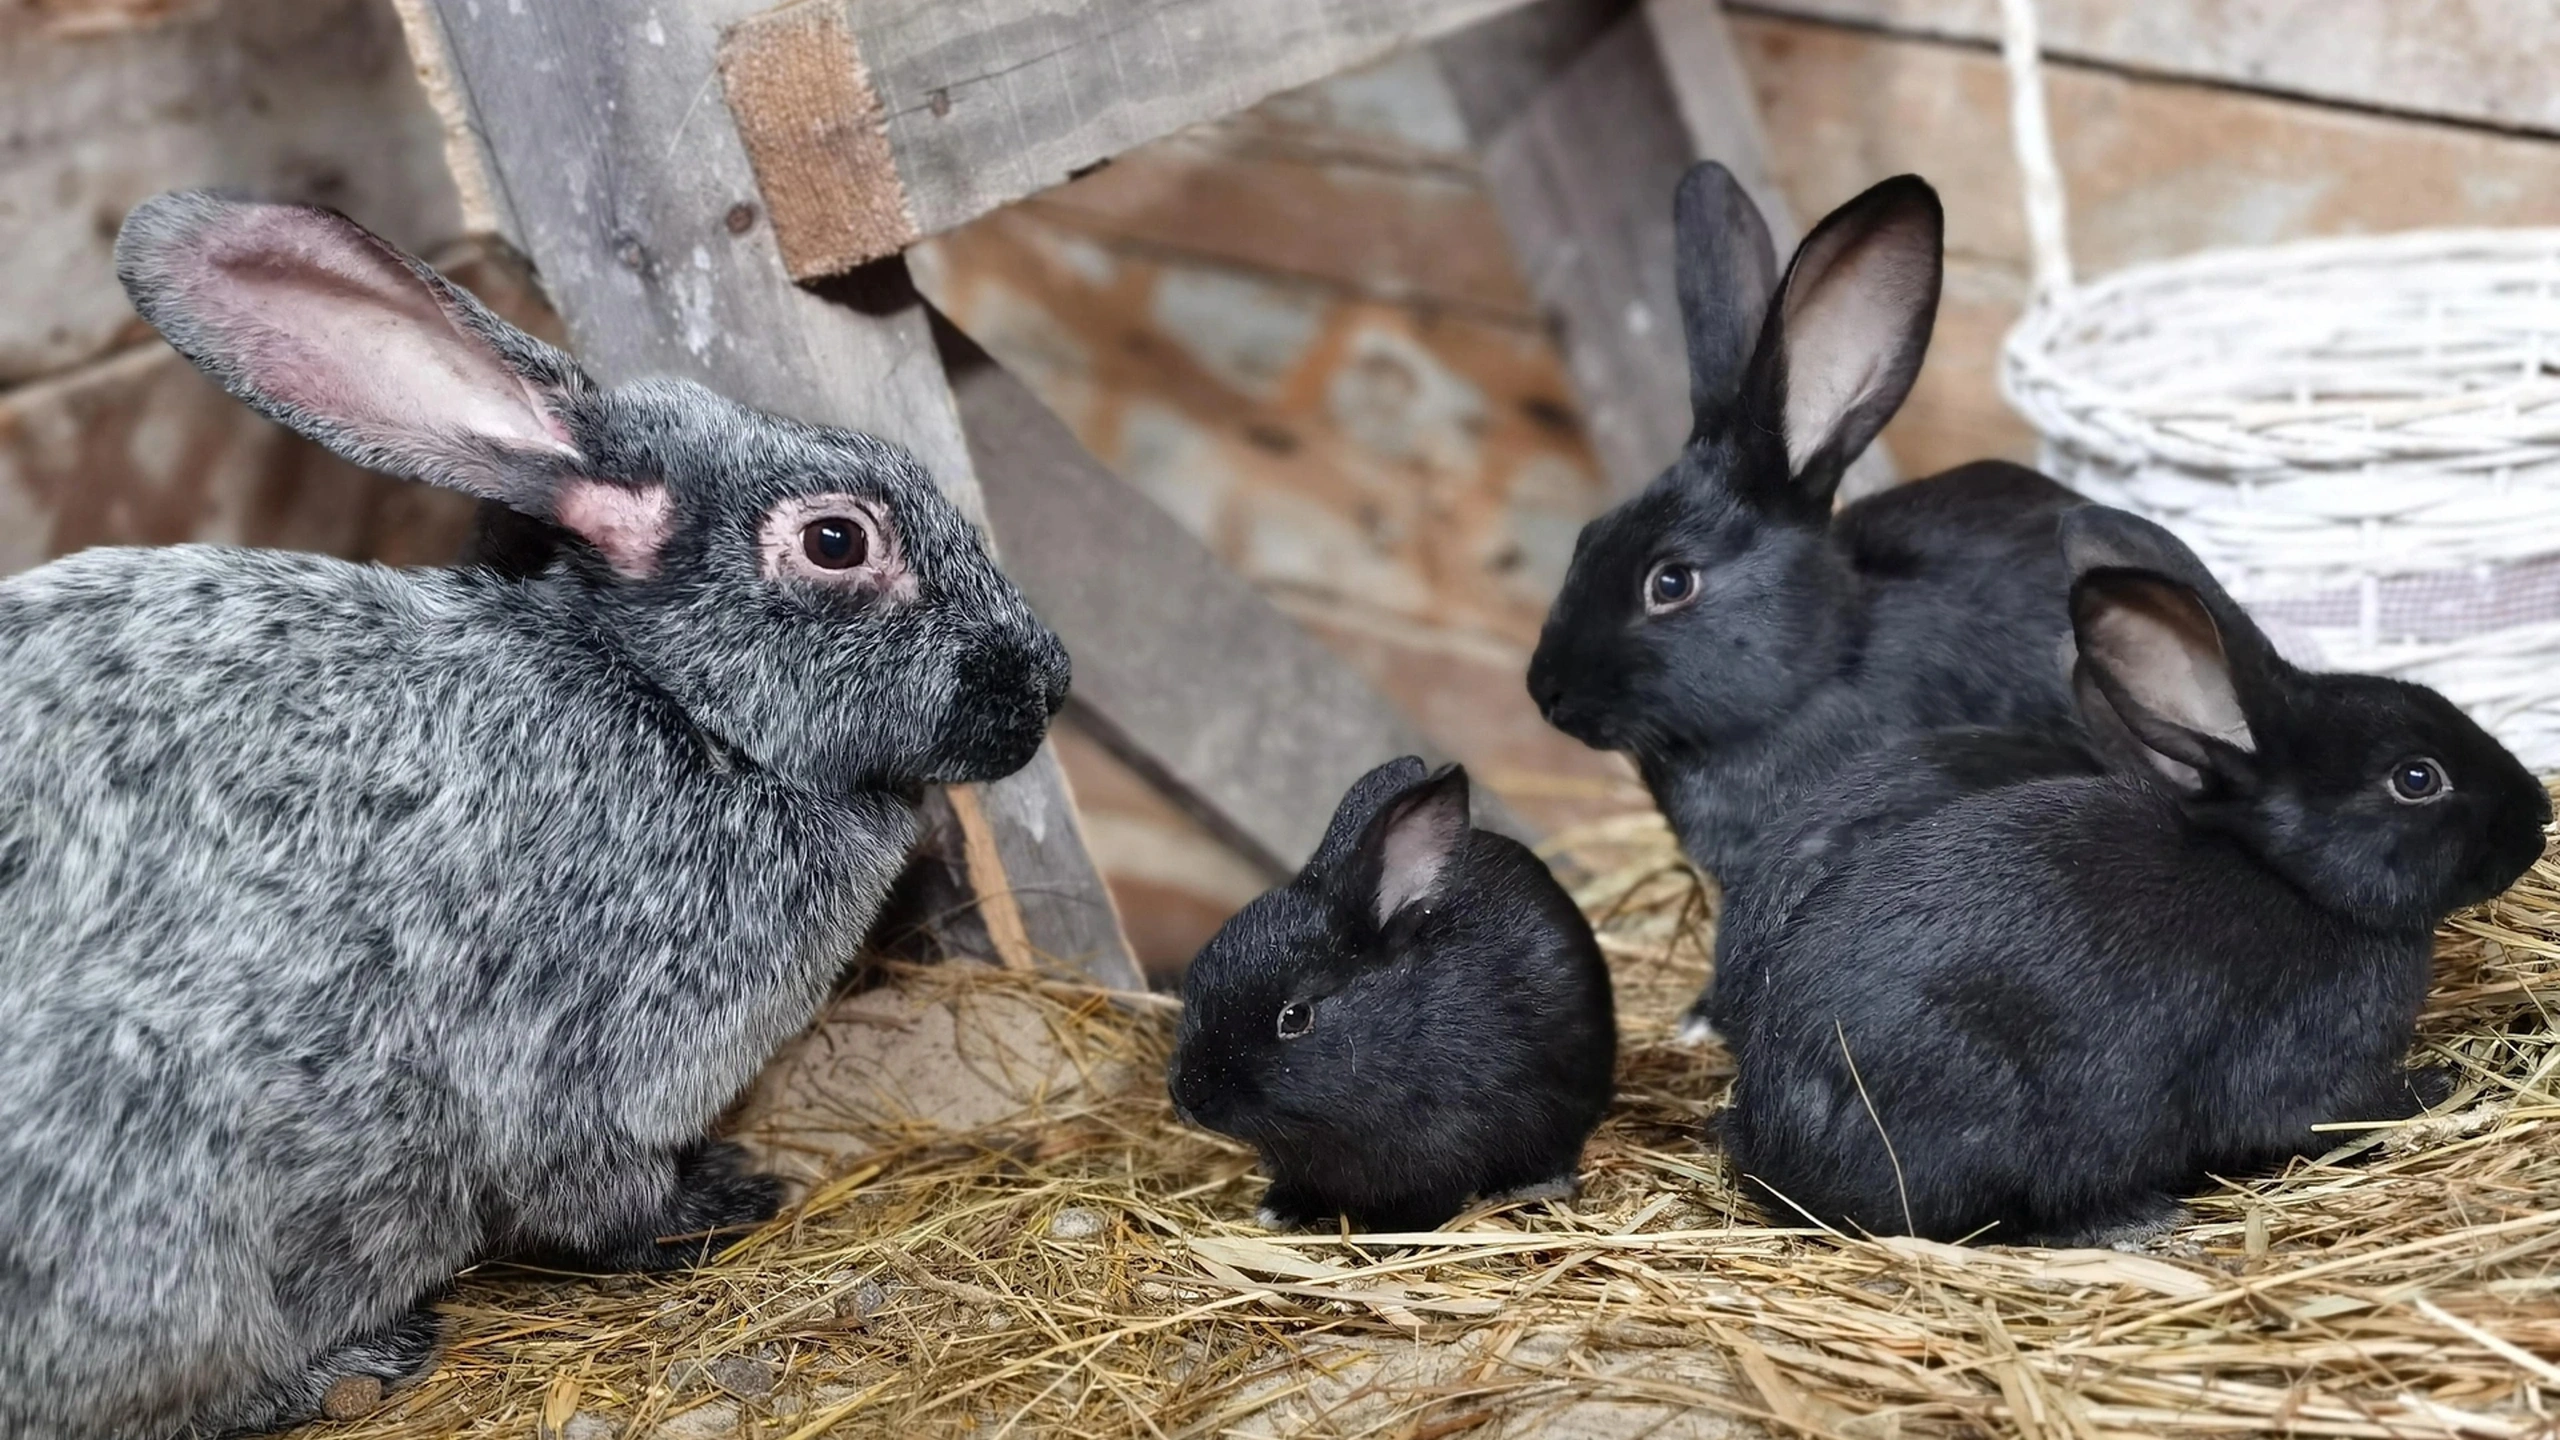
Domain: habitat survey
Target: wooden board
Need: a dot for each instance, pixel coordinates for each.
(1582, 144)
(1585, 128)
(1716, 105)
(2487, 62)
(102, 106)
(1182, 668)
(143, 450)
(933, 112)
(605, 141)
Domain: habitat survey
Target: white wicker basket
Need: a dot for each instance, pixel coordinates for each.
(2360, 436)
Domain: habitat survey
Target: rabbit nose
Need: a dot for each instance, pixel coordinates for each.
(1546, 690)
(1057, 672)
(1182, 1103)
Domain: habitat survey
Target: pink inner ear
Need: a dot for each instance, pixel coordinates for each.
(1416, 850)
(630, 526)
(322, 316)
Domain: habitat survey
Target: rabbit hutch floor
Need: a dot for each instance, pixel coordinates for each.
(1052, 1254)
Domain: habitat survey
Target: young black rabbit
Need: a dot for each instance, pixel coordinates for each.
(357, 923)
(1724, 627)
(2046, 1009)
(1420, 1016)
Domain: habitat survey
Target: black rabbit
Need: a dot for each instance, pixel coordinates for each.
(1876, 795)
(2044, 1010)
(1724, 627)
(1420, 1016)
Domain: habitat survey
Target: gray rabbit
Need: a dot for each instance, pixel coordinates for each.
(361, 923)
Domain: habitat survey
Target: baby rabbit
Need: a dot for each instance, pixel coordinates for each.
(1723, 626)
(359, 923)
(2044, 1010)
(1420, 1016)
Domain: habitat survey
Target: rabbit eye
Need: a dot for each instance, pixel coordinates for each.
(1670, 586)
(834, 543)
(846, 542)
(1296, 1019)
(2416, 780)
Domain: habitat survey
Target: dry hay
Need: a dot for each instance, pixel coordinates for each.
(1087, 1266)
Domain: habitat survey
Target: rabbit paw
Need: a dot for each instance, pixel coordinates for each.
(710, 1199)
(2431, 1085)
(1560, 1187)
(2398, 1095)
(2138, 1228)
(1285, 1207)
(343, 1382)
(1696, 1030)
(716, 1198)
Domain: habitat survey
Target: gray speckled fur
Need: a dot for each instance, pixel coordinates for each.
(357, 923)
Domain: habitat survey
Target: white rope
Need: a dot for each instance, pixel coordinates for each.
(2032, 137)
(2361, 436)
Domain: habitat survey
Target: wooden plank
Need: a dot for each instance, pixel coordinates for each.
(1582, 144)
(980, 104)
(1398, 224)
(1716, 106)
(1584, 131)
(1182, 669)
(1723, 120)
(2486, 62)
(631, 192)
(101, 107)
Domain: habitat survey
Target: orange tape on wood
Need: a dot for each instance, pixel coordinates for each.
(817, 137)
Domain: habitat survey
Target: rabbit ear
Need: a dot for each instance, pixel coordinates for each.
(1727, 269)
(1845, 340)
(2168, 659)
(324, 328)
(1414, 840)
(1360, 805)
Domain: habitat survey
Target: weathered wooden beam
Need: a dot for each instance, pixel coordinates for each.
(875, 123)
(2484, 62)
(1182, 668)
(608, 151)
(1586, 113)
(104, 104)
(1713, 95)
(1582, 144)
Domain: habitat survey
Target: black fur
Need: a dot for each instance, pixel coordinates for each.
(1812, 638)
(1873, 798)
(2040, 1011)
(1462, 1042)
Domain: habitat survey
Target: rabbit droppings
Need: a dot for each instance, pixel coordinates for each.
(362, 923)
(1727, 630)
(2046, 1008)
(1420, 1016)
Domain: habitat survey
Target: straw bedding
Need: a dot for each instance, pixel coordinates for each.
(1006, 1232)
